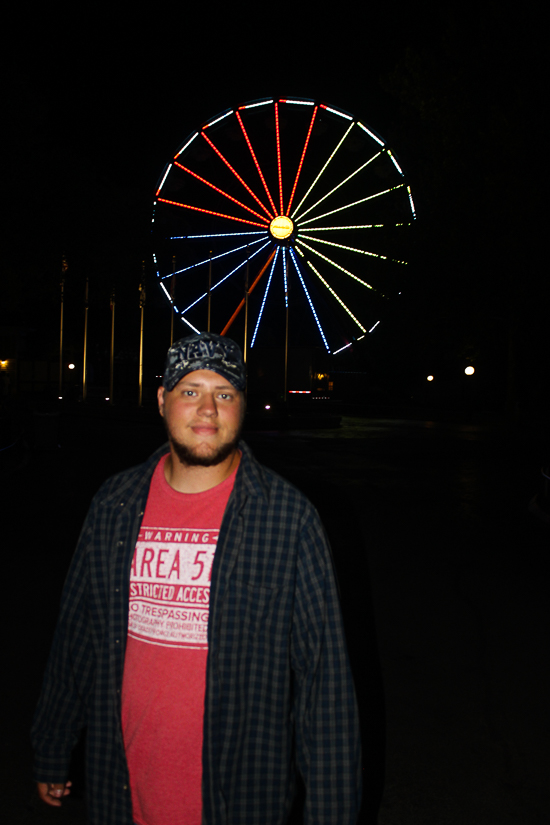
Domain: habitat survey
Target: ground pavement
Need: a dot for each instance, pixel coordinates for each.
(442, 571)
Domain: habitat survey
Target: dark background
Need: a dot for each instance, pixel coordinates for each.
(97, 101)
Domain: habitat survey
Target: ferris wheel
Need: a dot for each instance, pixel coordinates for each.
(281, 203)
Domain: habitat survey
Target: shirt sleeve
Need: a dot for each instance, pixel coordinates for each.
(61, 711)
(328, 748)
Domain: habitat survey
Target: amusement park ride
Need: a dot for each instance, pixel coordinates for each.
(278, 204)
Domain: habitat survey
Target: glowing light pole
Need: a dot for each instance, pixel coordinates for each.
(84, 356)
(246, 309)
(172, 285)
(209, 289)
(286, 326)
(286, 348)
(64, 268)
(112, 356)
(141, 310)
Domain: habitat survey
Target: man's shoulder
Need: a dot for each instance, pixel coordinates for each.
(267, 483)
(129, 481)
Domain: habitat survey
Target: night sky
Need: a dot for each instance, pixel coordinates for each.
(97, 103)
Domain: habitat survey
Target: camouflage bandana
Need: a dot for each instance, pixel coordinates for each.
(204, 351)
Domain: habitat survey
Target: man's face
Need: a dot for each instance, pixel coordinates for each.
(203, 415)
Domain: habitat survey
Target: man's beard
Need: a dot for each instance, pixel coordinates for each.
(190, 459)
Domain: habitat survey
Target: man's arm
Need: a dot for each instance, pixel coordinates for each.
(328, 747)
(61, 710)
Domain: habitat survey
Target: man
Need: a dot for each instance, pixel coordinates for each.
(200, 639)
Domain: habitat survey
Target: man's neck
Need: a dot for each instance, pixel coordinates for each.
(187, 478)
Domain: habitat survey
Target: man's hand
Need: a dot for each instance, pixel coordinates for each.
(52, 792)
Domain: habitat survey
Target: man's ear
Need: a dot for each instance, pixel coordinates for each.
(160, 399)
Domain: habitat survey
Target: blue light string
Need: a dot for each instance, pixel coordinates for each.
(265, 297)
(309, 300)
(225, 277)
(285, 277)
(214, 258)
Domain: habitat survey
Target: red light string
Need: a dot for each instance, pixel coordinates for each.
(225, 194)
(257, 164)
(301, 160)
(279, 156)
(210, 212)
(242, 303)
(248, 189)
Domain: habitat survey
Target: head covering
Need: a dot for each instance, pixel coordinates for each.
(204, 351)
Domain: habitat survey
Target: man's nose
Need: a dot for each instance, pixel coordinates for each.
(207, 405)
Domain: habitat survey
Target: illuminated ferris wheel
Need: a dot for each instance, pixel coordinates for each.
(278, 202)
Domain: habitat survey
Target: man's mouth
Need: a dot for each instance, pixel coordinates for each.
(203, 429)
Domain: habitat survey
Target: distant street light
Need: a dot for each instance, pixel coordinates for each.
(469, 370)
(430, 378)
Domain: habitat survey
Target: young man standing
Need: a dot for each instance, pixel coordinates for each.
(200, 639)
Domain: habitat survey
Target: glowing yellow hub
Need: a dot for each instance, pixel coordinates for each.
(281, 227)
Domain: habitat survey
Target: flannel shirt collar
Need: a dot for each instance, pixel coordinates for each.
(250, 479)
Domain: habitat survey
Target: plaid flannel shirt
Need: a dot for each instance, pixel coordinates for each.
(279, 692)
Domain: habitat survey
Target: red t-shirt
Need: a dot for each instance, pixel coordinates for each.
(165, 665)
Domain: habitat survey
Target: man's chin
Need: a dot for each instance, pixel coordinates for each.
(198, 457)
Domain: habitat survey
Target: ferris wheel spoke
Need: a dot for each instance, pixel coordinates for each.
(321, 146)
(249, 291)
(210, 212)
(265, 296)
(335, 295)
(411, 202)
(246, 186)
(215, 235)
(209, 259)
(315, 110)
(354, 226)
(225, 277)
(221, 191)
(351, 249)
(279, 170)
(249, 144)
(349, 177)
(330, 157)
(285, 278)
(341, 268)
(317, 321)
(355, 203)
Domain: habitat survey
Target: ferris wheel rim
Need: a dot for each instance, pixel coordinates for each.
(296, 234)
